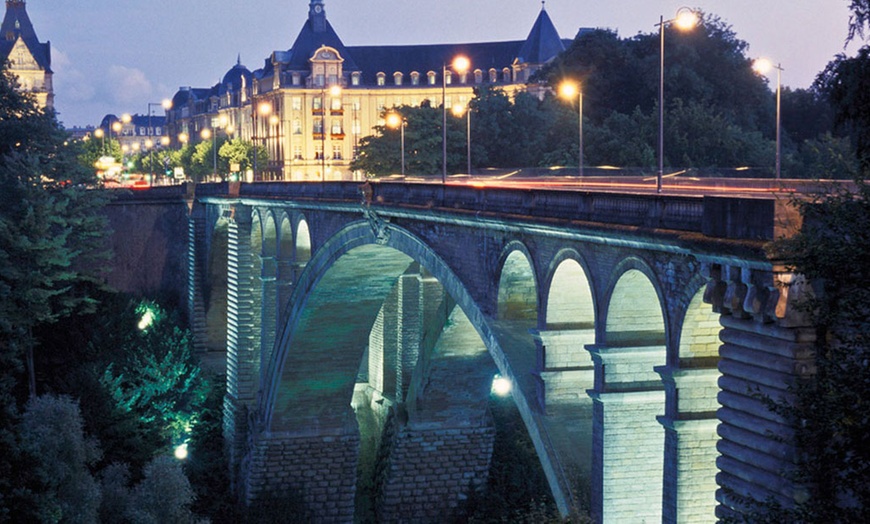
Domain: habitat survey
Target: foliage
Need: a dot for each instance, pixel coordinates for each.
(846, 83)
(52, 432)
(859, 19)
(831, 414)
(163, 496)
(517, 490)
(154, 376)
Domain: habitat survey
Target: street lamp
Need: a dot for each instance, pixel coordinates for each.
(263, 109)
(395, 120)
(763, 66)
(459, 65)
(569, 90)
(685, 20)
(99, 133)
(166, 104)
(458, 110)
(207, 133)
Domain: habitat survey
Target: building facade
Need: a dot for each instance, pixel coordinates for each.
(26, 57)
(310, 105)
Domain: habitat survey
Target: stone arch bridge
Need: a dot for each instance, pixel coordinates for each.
(363, 327)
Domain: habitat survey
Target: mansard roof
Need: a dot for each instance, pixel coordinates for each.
(425, 58)
(16, 24)
(543, 42)
(237, 78)
(310, 40)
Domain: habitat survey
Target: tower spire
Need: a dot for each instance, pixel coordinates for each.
(317, 15)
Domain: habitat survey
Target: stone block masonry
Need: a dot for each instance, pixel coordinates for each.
(317, 469)
(429, 472)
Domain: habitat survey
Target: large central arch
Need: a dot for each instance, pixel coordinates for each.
(309, 380)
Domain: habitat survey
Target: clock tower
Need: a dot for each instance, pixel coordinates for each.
(317, 16)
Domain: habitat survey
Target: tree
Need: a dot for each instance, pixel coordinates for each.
(831, 411)
(50, 227)
(859, 19)
(846, 83)
(53, 434)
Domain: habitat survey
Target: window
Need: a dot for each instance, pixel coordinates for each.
(493, 76)
(297, 126)
(431, 77)
(143, 131)
(448, 77)
(318, 151)
(317, 103)
(319, 80)
(357, 128)
(478, 76)
(336, 127)
(415, 78)
(297, 152)
(397, 78)
(318, 126)
(354, 79)
(159, 131)
(297, 79)
(336, 152)
(381, 79)
(296, 103)
(506, 75)
(335, 104)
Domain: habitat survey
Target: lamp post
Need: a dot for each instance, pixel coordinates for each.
(263, 109)
(568, 90)
(166, 104)
(395, 120)
(207, 133)
(459, 65)
(685, 20)
(763, 66)
(458, 111)
(99, 133)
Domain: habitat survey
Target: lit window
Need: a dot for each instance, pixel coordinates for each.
(336, 152)
(336, 127)
(397, 78)
(381, 79)
(354, 79)
(317, 103)
(478, 76)
(296, 103)
(297, 126)
(493, 76)
(431, 77)
(415, 78)
(318, 126)
(297, 152)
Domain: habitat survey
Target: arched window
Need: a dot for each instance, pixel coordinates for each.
(354, 79)
(506, 75)
(381, 79)
(493, 76)
(397, 78)
(478, 76)
(431, 77)
(415, 78)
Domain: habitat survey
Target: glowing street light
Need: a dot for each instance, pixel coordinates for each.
(569, 90)
(685, 20)
(459, 65)
(763, 66)
(395, 120)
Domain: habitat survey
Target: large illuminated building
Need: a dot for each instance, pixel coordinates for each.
(310, 105)
(27, 58)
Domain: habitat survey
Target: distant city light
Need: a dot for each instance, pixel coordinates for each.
(501, 386)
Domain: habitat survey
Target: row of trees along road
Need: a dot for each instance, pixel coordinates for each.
(197, 160)
(719, 114)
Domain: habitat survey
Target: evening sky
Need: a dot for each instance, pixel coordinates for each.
(116, 56)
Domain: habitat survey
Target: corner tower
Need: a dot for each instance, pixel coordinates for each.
(26, 58)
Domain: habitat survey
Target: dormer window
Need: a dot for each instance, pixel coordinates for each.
(506, 75)
(397, 78)
(493, 76)
(354, 79)
(448, 77)
(478, 76)
(431, 77)
(415, 78)
(381, 79)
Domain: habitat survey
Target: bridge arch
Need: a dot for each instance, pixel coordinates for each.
(302, 241)
(319, 354)
(628, 397)
(517, 284)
